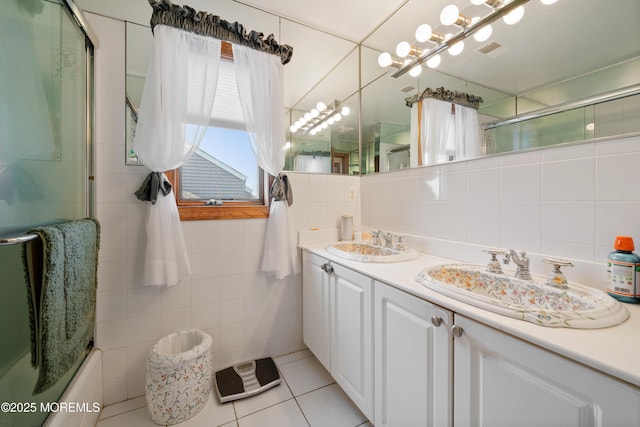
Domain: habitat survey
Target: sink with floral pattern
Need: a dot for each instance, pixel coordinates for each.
(531, 300)
(368, 252)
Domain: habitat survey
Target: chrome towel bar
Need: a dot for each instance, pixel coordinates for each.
(6, 241)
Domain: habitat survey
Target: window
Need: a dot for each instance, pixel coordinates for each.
(222, 179)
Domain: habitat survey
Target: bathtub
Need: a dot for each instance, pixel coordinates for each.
(82, 401)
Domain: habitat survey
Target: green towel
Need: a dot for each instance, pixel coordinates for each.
(62, 274)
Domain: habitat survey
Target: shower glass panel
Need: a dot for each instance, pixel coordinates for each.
(603, 119)
(43, 169)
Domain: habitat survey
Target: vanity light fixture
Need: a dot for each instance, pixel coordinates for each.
(322, 116)
(511, 11)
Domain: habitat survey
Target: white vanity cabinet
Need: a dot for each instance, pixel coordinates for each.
(338, 325)
(430, 366)
(500, 380)
(316, 310)
(413, 360)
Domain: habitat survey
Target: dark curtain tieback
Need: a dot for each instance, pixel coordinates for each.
(281, 189)
(154, 183)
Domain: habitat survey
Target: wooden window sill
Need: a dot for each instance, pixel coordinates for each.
(199, 213)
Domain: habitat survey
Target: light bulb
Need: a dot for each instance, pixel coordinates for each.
(287, 145)
(403, 49)
(590, 126)
(449, 14)
(345, 111)
(415, 71)
(312, 132)
(324, 125)
(337, 117)
(423, 33)
(514, 16)
(477, 2)
(548, 2)
(307, 116)
(483, 33)
(433, 62)
(384, 60)
(456, 48)
(321, 106)
(315, 113)
(303, 120)
(331, 120)
(293, 128)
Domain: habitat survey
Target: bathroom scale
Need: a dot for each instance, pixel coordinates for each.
(246, 379)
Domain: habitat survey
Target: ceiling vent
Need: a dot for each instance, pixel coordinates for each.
(489, 48)
(407, 89)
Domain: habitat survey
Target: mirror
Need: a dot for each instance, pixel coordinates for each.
(335, 148)
(556, 55)
(138, 47)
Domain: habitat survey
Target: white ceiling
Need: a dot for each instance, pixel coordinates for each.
(551, 43)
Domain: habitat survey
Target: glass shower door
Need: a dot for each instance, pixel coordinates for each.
(43, 170)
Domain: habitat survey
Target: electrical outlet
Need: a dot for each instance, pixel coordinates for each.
(352, 195)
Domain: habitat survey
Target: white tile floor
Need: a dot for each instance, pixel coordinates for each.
(308, 397)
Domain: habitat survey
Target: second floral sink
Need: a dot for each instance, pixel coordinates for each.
(531, 300)
(368, 252)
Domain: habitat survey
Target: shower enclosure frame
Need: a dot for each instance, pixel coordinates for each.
(89, 372)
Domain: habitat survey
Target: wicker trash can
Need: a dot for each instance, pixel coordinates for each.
(178, 380)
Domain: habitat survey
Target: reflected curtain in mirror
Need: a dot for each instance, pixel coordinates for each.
(447, 127)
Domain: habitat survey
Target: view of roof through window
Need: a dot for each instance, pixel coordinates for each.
(223, 168)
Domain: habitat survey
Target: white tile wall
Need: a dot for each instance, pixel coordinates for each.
(247, 314)
(566, 201)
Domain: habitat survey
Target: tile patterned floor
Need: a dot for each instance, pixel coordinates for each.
(308, 397)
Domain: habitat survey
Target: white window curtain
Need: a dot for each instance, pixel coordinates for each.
(446, 136)
(260, 86)
(175, 110)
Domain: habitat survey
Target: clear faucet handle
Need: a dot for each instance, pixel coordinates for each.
(493, 266)
(556, 277)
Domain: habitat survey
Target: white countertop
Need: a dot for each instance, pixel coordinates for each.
(614, 350)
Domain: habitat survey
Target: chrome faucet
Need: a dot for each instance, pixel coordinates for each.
(388, 239)
(377, 237)
(381, 238)
(522, 262)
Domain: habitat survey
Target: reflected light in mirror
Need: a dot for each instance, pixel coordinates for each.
(425, 33)
(451, 15)
(384, 60)
(433, 62)
(514, 16)
(484, 33)
(404, 49)
(455, 49)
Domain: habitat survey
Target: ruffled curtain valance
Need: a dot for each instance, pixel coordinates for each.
(207, 24)
(442, 94)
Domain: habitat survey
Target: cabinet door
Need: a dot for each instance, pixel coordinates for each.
(500, 380)
(351, 336)
(412, 361)
(316, 320)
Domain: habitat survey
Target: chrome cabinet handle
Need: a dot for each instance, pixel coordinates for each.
(436, 320)
(456, 331)
(328, 268)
